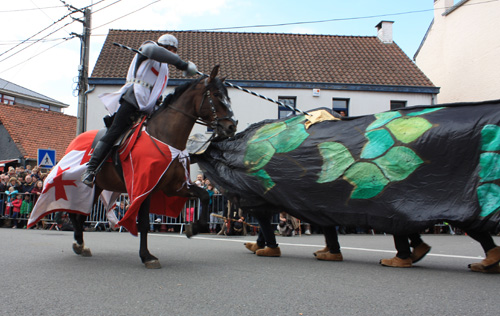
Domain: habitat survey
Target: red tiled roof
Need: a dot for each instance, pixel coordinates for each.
(30, 129)
(274, 57)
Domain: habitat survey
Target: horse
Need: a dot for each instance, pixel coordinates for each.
(399, 171)
(203, 100)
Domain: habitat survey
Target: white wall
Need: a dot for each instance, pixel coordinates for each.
(461, 53)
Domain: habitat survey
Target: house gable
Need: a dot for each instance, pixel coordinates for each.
(30, 128)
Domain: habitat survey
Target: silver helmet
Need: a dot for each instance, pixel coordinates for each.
(168, 40)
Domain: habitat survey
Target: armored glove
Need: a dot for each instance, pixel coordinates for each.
(191, 69)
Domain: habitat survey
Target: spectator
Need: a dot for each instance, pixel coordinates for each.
(28, 169)
(10, 196)
(287, 225)
(37, 190)
(36, 173)
(213, 220)
(4, 179)
(26, 206)
(16, 208)
(28, 184)
(199, 180)
(14, 182)
(12, 172)
(120, 209)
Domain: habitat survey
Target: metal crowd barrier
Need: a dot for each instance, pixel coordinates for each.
(97, 219)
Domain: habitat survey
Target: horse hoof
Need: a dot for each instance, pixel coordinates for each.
(86, 252)
(78, 249)
(81, 250)
(189, 231)
(153, 264)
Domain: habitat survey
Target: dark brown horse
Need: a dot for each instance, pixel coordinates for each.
(205, 100)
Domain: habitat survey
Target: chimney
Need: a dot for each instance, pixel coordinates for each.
(442, 6)
(384, 31)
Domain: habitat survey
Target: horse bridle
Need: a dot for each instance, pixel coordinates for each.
(215, 119)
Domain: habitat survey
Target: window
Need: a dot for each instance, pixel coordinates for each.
(285, 111)
(397, 104)
(341, 106)
(7, 99)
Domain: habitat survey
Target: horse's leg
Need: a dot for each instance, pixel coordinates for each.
(79, 246)
(150, 261)
(200, 224)
(492, 251)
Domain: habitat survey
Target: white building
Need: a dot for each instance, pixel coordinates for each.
(461, 50)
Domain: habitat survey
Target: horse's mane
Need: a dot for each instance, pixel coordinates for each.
(172, 97)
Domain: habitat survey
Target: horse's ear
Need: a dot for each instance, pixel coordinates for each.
(222, 80)
(213, 74)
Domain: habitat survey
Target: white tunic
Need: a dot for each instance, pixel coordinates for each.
(149, 83)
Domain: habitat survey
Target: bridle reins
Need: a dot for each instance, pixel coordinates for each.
(214, 122)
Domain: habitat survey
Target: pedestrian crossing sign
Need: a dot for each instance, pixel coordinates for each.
(46, 158)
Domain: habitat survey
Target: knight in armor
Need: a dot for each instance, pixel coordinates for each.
(146, 81)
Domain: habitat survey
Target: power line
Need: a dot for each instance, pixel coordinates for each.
(30, 9)
(332, 20)
(147, 5)
(65, 16)
(106, 6)
(33, 42)
(26, 60)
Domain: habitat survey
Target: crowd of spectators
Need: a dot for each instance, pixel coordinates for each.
(20, 188)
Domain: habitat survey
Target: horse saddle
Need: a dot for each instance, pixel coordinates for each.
(113, 154)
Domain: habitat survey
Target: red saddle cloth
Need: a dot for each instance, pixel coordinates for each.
(144, 164)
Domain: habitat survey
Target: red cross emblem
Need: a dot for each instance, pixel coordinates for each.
(59, 184)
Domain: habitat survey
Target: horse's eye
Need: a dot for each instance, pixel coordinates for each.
(216, 94)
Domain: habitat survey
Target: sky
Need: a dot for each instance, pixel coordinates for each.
(39, 49)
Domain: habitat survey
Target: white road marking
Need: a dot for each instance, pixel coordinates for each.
(315, 246)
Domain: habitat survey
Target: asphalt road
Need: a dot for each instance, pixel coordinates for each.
(216, 275)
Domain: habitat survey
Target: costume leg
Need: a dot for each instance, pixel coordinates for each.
(490, 264)
(420, 248)
(402, 246)
(484, 239)
(415, 240)
(402, 258)
(331, 238)
(266, 234)
(332, 250)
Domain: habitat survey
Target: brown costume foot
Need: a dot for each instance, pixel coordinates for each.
(328, 256)
(492, 257)
(396, 262)
(269, 252)
(419, 252)
(326, 249)
(478, 267)
(252, 246)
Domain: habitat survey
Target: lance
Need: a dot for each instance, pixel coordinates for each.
(233, 220)
(228, 84)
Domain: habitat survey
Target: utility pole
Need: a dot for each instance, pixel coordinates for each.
(83, 73)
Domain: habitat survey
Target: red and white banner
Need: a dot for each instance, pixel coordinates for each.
(63, 190)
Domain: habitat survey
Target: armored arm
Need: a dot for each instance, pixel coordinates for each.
(158, 53)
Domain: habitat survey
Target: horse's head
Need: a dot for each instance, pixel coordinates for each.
(215, 107)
